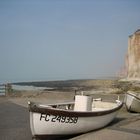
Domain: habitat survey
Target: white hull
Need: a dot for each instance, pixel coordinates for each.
(42, 127)
(132, 102)
(52, 121)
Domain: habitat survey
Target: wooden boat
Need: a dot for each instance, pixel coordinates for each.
(132, 101)
(83, 115)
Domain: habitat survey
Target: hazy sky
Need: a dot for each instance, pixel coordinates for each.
(64, 39)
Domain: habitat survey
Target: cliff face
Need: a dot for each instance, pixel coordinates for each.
(133, 56)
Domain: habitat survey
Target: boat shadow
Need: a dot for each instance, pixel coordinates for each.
(116, 122)
(55, 137)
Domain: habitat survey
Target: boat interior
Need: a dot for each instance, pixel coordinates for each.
(96, 105)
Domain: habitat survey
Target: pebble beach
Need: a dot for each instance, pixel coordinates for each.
(14, 116)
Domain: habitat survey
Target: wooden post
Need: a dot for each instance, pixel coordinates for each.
(8, 89)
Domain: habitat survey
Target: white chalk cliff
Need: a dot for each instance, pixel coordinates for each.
(133, 56)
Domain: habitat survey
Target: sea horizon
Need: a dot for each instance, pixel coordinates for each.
(66, 79)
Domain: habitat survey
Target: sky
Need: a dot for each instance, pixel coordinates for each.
(42, 40)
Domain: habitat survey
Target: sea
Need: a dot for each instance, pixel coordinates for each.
(22, 87)
(28, 88)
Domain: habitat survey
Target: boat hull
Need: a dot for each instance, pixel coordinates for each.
(51, 121)
(53, 125)
(132, 102)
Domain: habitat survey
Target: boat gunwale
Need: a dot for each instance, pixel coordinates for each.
(133, 95)
(33, 107)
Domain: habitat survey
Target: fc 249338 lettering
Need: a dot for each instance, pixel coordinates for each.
(58, 118)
